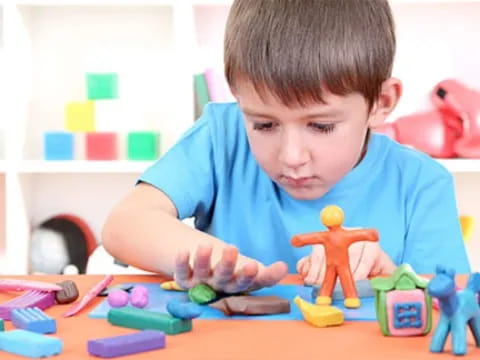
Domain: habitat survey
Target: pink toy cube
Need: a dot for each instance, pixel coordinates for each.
(101, 146)
(404, 300)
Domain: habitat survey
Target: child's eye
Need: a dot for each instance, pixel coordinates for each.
(264, 126)
(323, 128)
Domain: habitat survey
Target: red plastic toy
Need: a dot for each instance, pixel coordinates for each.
(428, 132)
(450, 130)
(336, 242)
(463, 103)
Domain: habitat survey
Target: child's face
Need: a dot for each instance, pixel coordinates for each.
(305, 150)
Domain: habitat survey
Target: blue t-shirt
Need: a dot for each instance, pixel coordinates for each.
(211, 175)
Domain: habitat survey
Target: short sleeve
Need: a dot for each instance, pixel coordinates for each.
(186, 172)
(434, 234)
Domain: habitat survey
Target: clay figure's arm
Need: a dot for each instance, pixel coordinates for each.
(362, 235)
(309, 239)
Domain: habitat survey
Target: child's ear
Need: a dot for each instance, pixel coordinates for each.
(386, 102)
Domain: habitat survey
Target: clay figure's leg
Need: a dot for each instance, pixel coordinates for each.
(325, 294)
(348, 286)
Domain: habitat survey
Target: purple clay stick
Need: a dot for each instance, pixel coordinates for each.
(135, 343)
(31, 298)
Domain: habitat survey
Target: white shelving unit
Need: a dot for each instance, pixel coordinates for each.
(2, 142)
(46, 47)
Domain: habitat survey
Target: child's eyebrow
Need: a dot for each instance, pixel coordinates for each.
(326, 114)
(256, 113)
(331, 113)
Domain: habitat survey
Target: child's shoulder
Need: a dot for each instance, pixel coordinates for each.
(220, 117)
(221, 110)
(408, 160)
(224, 122)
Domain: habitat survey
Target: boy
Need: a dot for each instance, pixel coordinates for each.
(310, 78)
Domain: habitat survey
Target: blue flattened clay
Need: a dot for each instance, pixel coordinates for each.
(184, 310)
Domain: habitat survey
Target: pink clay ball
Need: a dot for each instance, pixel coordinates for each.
(139, 296)
(117, 298)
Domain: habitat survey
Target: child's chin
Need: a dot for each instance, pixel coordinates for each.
(304, 193)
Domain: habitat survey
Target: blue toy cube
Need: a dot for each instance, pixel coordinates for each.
(33, 319)
(58, 145)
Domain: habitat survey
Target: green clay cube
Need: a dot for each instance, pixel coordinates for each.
(143, 145)
(136, 318)
(102, 86)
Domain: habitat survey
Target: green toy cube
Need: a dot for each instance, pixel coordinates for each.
(102, 86)
(143, 145)
(2, 326)
(80, 116)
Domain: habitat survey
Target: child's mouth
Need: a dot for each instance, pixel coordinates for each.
(297, 182)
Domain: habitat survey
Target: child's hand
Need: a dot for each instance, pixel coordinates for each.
(224, 276)
(312, 267)
(366, 260)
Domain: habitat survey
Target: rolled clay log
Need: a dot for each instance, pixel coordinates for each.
(252, 305)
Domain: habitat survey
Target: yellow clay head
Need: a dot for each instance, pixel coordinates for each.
(332, 216)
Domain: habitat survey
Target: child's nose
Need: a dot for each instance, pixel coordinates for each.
(293, 152)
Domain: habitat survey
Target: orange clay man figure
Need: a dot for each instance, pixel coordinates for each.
(336, 242)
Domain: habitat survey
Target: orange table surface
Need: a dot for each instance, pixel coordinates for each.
(238, 339)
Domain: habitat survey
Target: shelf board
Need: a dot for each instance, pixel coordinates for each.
(83, 166)
(461, 165)
(93, 2)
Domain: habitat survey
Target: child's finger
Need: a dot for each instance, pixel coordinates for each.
(364, 261)
(303, 266)
(271, 274)
(183, 271)
(225, 269)
(315, 270)
(384, 266)
(322, 274)
(246, 277)
(201, 265)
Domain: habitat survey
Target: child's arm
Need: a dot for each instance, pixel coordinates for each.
(434, 235)
(143, 231)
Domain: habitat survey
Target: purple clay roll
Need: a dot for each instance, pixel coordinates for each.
(117, 298)
(116, 346)
(31, 298)
(139, 296)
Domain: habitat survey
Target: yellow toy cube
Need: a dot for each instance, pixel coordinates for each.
(80, 116)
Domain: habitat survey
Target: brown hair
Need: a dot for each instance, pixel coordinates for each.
(297, 48)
